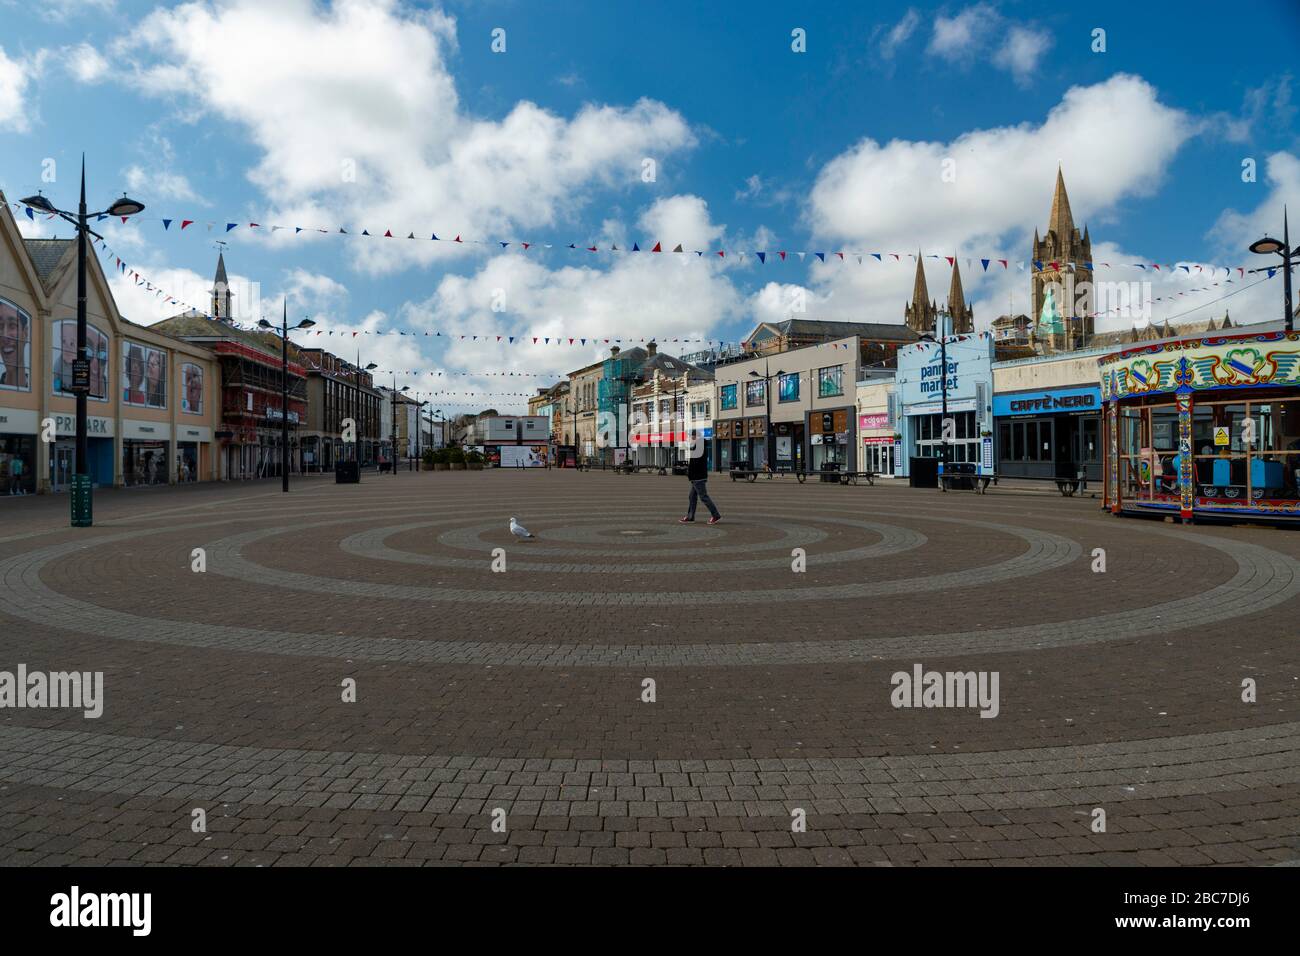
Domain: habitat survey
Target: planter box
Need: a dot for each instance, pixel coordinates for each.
(476, 466)
(457, 466)
(441, 466)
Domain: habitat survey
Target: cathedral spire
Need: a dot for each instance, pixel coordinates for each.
(920, 295)
(956, 298)
(1061, 221)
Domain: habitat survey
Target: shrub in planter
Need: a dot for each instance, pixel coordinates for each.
(456, 456)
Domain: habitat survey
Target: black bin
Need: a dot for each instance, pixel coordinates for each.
(830, 472)
(923, 472)
(347, 473)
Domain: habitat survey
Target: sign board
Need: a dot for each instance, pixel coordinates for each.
(1222, 435)
(1050, 401)
(81, 375)
(523, 456)
(866, 422)
(986, 453)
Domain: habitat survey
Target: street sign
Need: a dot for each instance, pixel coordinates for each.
(81, 375)
(82, 515)
(1222, 436)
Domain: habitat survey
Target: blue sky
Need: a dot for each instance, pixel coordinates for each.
(249, 111)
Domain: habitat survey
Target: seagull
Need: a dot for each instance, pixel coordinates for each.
(518, 530)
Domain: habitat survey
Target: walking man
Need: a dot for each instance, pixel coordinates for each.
(697, 472)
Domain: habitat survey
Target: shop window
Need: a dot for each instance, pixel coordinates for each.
(15, 348)
(65, 353)
(755, 394)
(830, 381)
(727, 396)
(788, 387)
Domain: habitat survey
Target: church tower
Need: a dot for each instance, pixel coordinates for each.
(221, 295)
(1063, 259)
(919, 314)
(963, 316)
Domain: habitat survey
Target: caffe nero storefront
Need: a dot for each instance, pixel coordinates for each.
(1049, 433)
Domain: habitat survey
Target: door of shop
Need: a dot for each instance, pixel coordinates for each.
(62, 465)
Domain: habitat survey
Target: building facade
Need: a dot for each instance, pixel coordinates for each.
(1060, 292)
(925, 385)
(153, 401)
(794, 409)
(336, 392)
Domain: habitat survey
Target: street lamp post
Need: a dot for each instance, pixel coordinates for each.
(82, 515)
(768, 440)
(284, 387)
(1268, 246)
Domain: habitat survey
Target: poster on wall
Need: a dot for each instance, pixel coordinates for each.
(144, 376)
(65, 354)
(783, 448)
(523, 456)
(15, 348)
(192, 388)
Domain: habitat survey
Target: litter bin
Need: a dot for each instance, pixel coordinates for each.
(347, 472)
(82, 509)
(923, 472)
(830, 472)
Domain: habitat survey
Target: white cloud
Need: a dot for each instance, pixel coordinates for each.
(86, 63)
(1021, 51)
(971, 35)
(15, 77)
(1115, 140)
(898, 34)
(320, 95)
(61, 10)
(159, 184)
(960, 36)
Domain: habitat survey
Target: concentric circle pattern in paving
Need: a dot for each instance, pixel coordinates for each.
(493, 673)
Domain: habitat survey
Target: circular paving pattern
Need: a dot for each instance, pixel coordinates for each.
(450, 649)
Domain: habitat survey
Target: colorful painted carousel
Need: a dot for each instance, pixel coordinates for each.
(1204, 426)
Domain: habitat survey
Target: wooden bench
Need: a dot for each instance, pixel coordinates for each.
(979, 483)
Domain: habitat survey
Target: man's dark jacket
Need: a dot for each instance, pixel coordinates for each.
(697, 469)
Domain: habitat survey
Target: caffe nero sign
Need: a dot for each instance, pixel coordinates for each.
(1048, 402)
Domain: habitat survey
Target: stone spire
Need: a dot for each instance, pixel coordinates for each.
(221, 296)
(963, 318)
(920, 294)
(919, 313)
(1061, 221)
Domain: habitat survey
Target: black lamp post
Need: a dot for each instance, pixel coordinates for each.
(767, 394)
(1268, 246)
(943, 390)
(284, 387)
(81, 499)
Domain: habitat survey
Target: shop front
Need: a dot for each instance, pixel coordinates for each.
(146, 450)
(1204, 426)
(99, 451)
(788, 446)
(1052, 433)
(924, 387)
(193, 453)
(18, 433)
(877, 443)
(830, 440)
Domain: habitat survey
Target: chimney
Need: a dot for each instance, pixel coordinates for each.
(651, 348)
(613, 351)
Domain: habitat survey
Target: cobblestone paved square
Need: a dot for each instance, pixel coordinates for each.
(522, 693)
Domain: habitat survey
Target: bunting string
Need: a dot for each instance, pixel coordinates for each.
(229, 227)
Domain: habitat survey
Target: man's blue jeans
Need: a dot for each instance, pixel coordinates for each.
(700, 492)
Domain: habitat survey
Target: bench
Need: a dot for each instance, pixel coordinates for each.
(979, 483)
(853, 477)
(751, 474)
